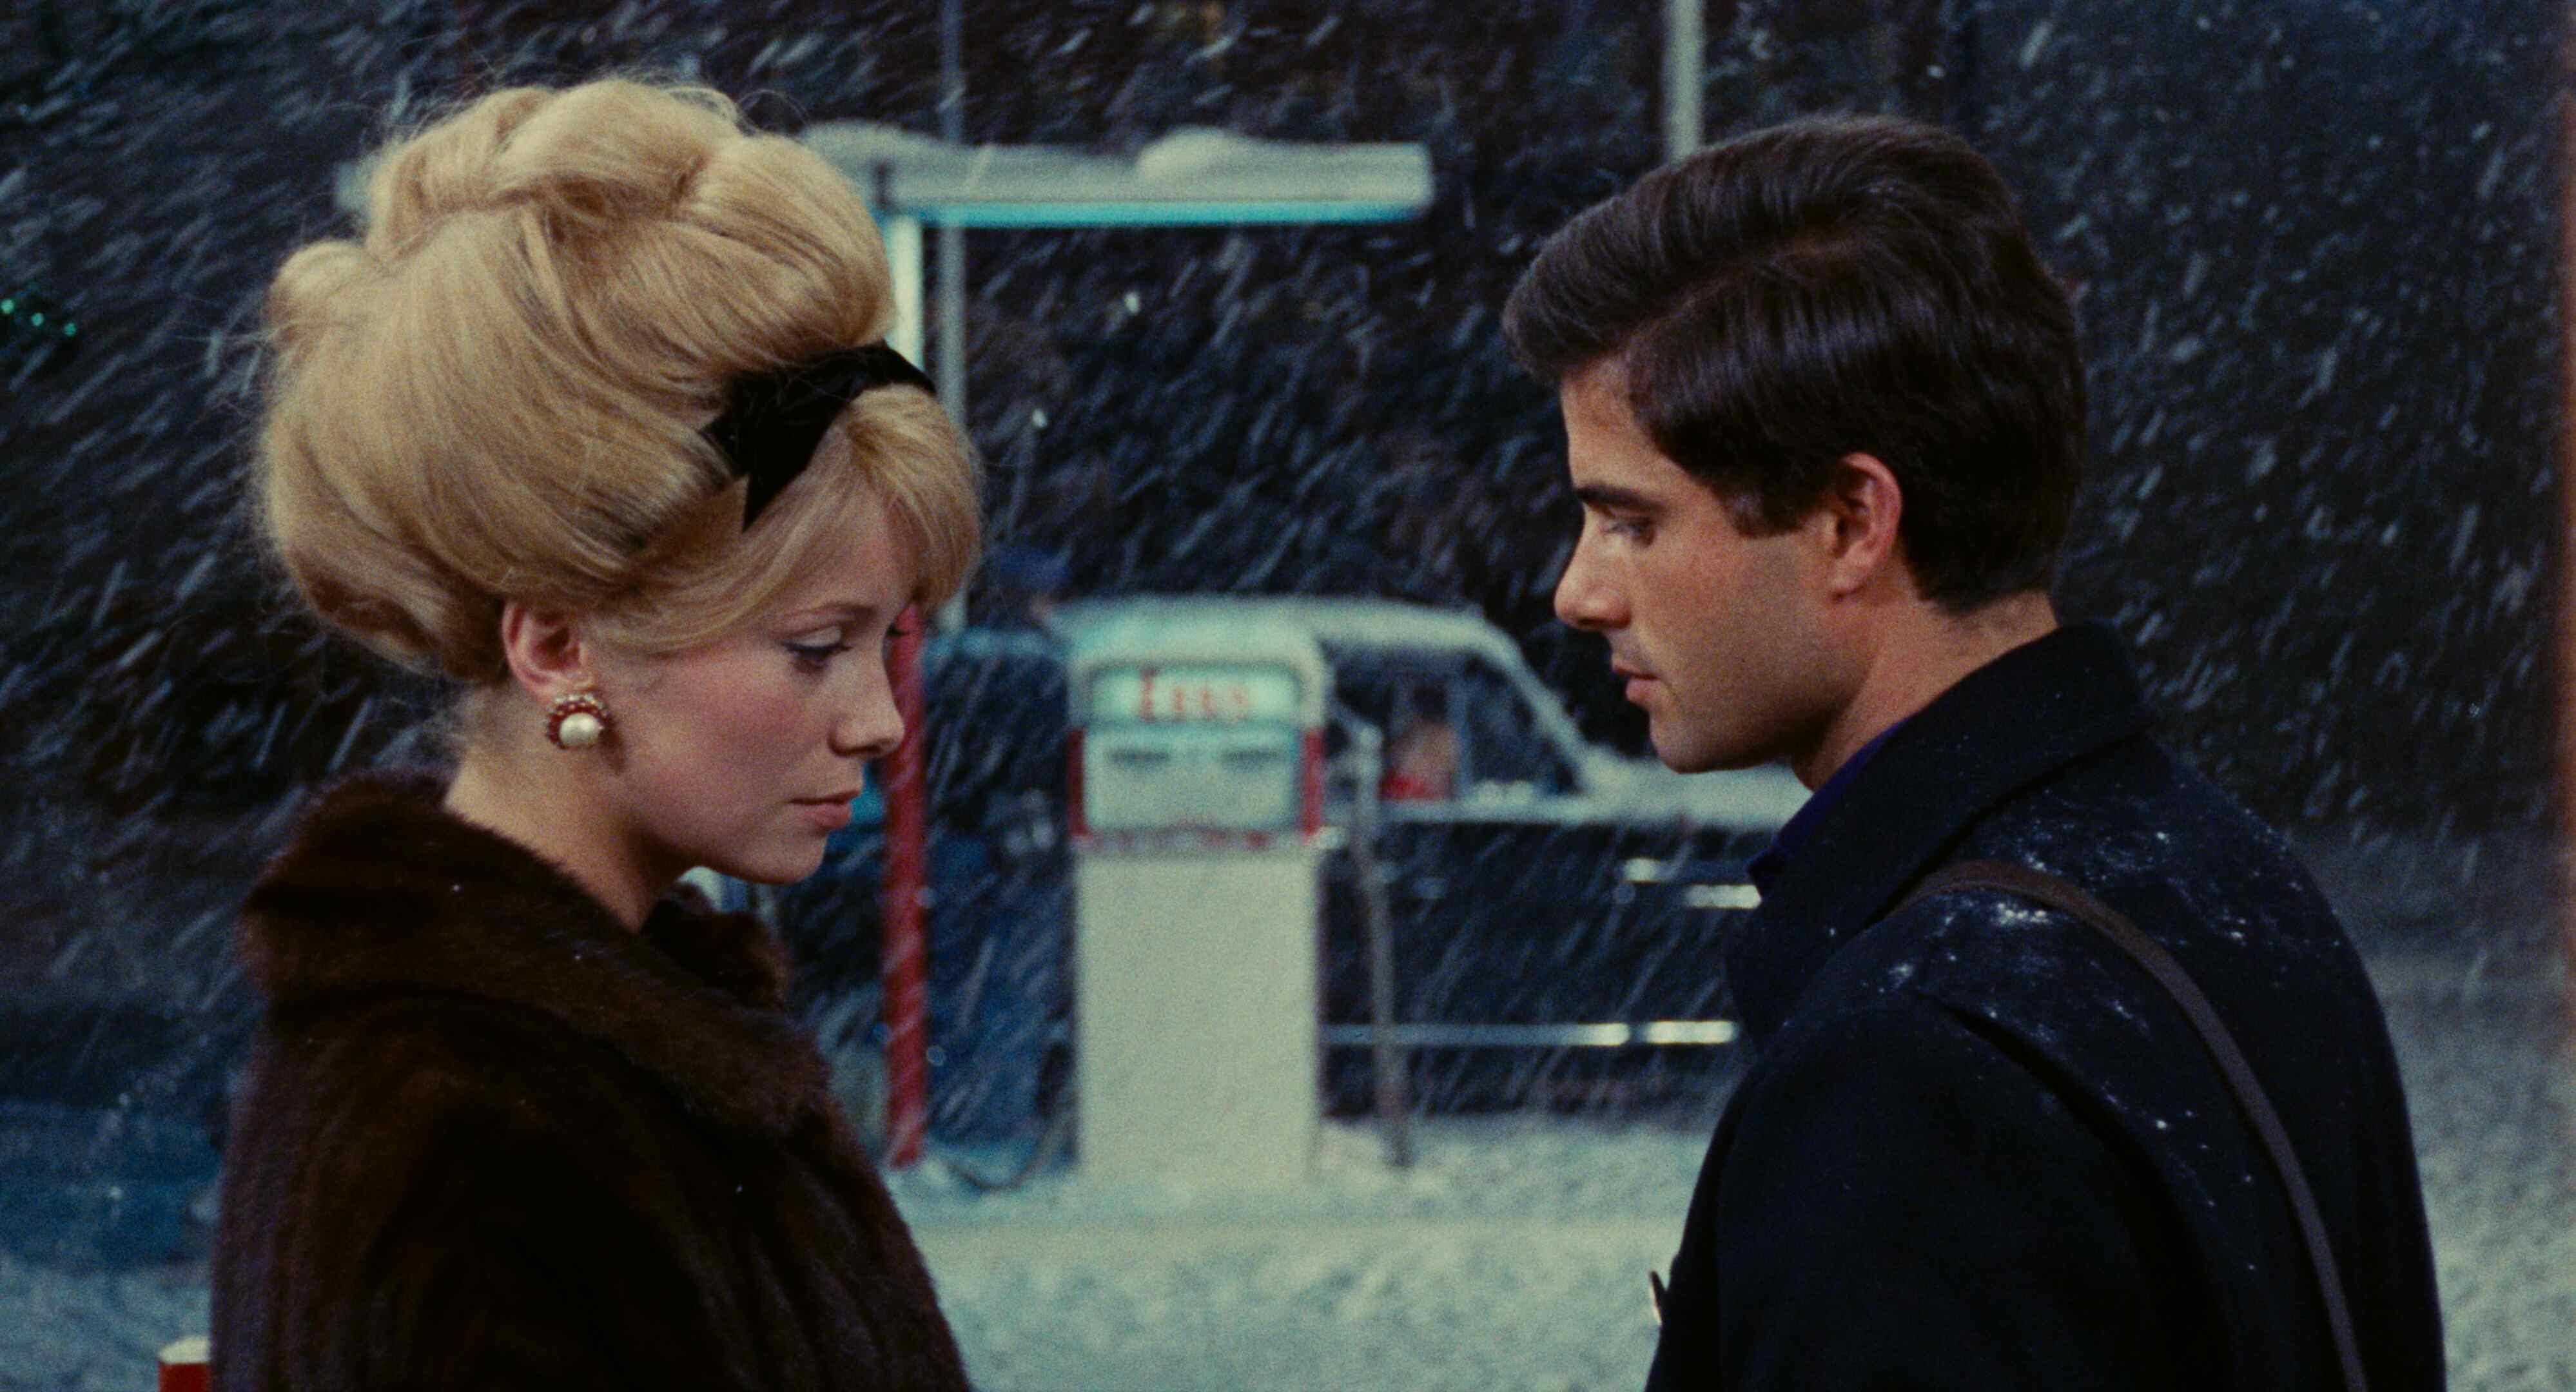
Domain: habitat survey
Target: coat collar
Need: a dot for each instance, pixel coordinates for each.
(381, 889)
(2004, 726)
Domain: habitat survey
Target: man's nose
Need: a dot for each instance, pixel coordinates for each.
(1585, 598)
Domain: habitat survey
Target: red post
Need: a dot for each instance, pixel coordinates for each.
(905, 951)
(185, 1366)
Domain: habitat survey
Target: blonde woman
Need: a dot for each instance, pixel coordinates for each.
(596, 420)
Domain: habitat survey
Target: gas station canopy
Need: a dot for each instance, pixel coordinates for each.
(1191, 178)
(1201, 178)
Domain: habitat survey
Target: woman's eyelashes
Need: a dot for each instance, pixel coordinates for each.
(814, 651)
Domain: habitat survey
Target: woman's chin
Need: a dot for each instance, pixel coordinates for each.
(779, 867)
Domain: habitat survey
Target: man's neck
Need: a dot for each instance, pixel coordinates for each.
(1918, 653)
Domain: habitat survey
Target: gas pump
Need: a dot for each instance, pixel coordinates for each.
(1198, 780)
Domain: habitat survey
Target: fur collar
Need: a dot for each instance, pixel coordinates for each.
(381, 889)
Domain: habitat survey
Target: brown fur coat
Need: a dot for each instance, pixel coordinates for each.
(491, 1139)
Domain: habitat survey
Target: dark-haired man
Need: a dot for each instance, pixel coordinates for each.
(1824, 411)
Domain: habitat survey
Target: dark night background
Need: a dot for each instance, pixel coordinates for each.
(2312, 242)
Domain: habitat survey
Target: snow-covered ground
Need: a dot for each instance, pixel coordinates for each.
(1514, 1255)
(2490, 1069)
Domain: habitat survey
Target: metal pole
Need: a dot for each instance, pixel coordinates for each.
(903, 260)
(1966, 114)
(906, 946)
(903, 949)
(906, 952)
(951, 368)
(1685, 39)
(2566, 673)
(1364, 766)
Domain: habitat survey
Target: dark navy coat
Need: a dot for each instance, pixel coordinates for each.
(1979, 1147)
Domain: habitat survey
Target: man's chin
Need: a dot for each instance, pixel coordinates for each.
(1681, 759)
(1684, 756)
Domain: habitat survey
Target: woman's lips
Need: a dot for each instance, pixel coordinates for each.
(829, 816)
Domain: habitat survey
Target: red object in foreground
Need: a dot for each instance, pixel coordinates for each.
(905, 951)
(183, 1366)
(1310, 786)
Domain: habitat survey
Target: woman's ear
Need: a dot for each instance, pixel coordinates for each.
(1862, 508)
(546, 652)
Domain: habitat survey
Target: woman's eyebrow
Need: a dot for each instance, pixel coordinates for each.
(847, 608)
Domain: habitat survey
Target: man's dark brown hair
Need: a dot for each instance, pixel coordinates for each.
(1824, 288)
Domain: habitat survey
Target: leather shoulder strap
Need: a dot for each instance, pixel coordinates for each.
(2057, 894)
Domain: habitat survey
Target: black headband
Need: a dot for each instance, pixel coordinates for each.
(774, 420)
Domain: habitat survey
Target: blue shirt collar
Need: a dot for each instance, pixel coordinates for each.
(1765, 869)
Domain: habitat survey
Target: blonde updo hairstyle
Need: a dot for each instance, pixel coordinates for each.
(498, 391)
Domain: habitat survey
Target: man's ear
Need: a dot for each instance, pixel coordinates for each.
(1860, 510)
(545, 650)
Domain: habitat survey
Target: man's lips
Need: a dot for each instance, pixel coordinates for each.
(1638, 683)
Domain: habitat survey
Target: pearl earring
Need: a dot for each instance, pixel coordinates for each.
(576, 721)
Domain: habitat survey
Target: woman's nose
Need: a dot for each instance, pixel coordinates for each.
(873, 724)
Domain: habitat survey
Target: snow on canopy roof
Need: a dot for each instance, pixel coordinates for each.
(1192, 177)
(1338, 622)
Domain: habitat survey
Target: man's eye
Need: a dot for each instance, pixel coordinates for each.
(1630, 529)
